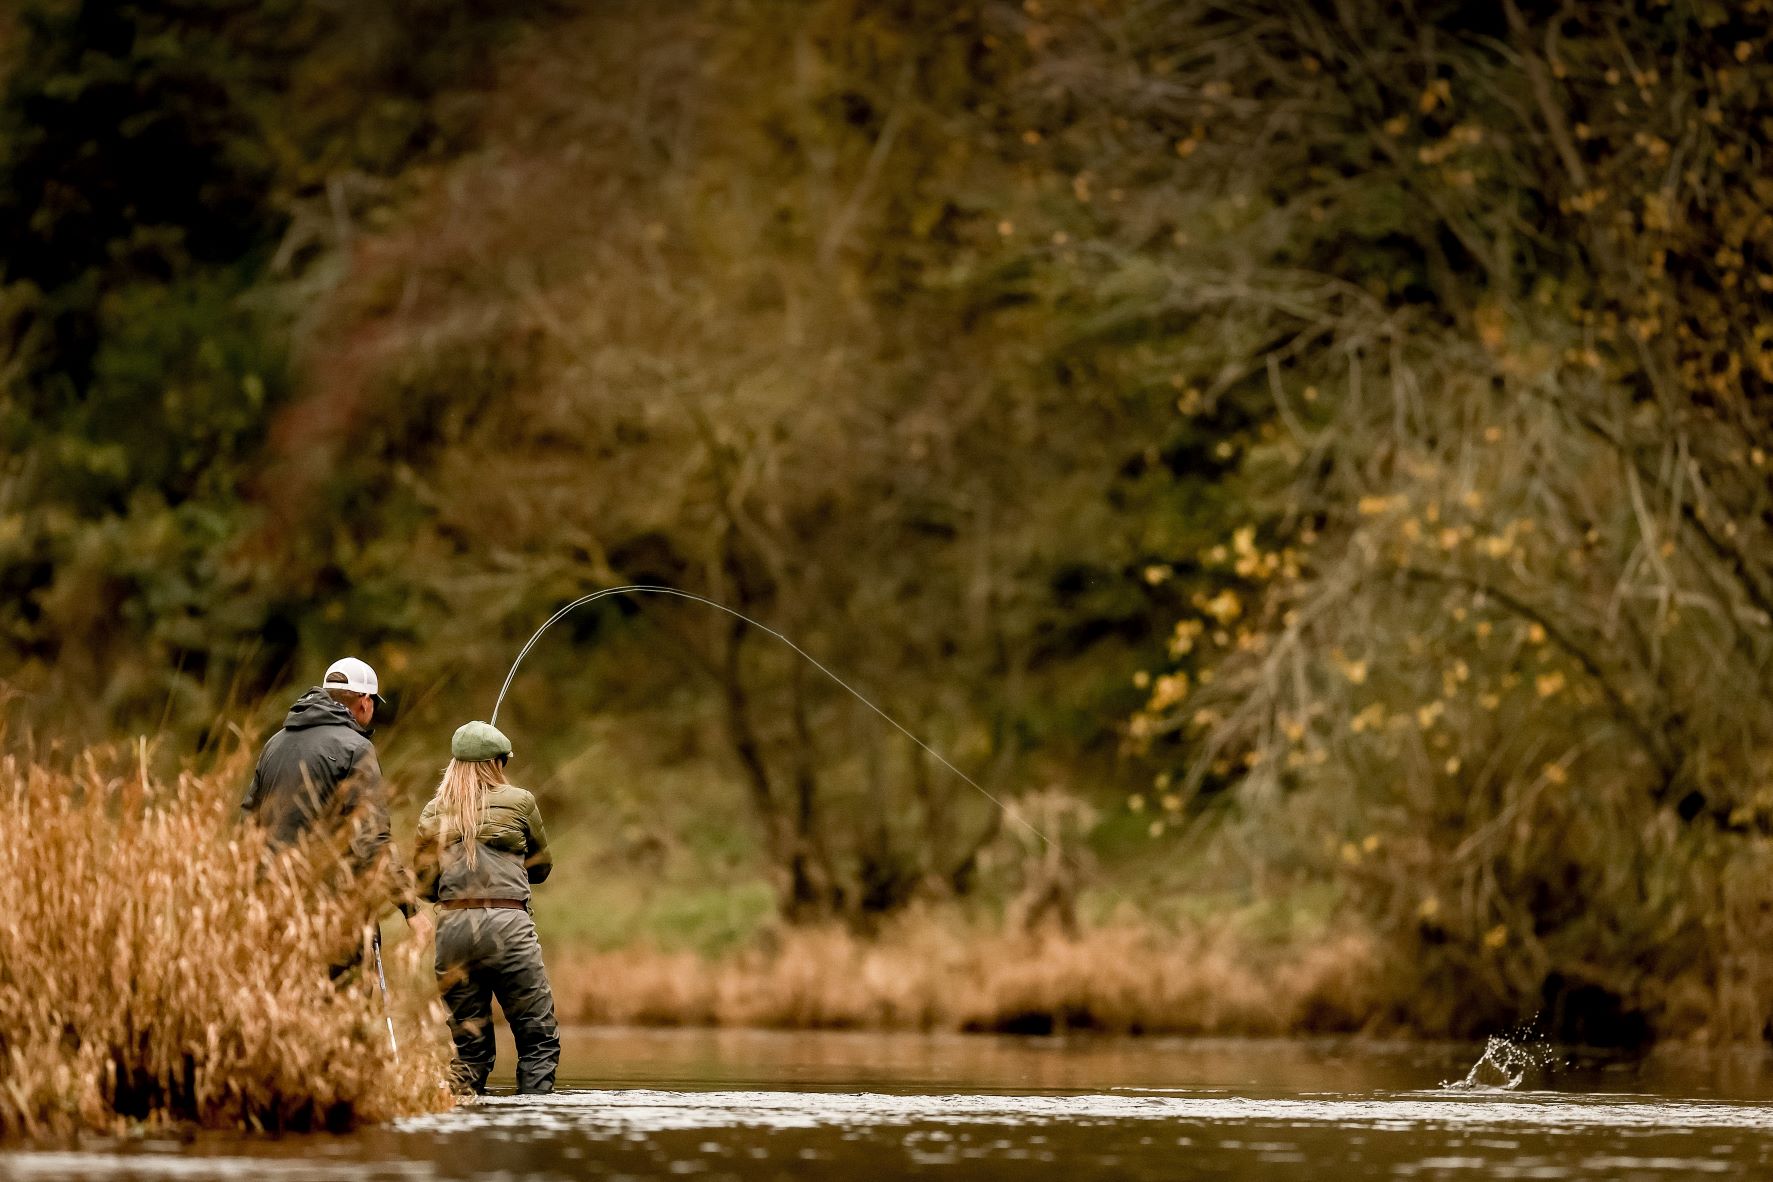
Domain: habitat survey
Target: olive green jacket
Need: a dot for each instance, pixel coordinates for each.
(512, 851)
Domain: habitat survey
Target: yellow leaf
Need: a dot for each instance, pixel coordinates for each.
(1224, 607)
(1170, 689)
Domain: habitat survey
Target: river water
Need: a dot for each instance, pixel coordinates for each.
(736, 1105)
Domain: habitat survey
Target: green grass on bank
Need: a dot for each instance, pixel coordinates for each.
(601, 912)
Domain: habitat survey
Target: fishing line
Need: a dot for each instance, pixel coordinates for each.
(645, 589)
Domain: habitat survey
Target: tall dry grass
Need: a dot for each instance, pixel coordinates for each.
(156, 967)
(927, 973)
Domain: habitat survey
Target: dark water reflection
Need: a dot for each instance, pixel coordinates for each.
(751, 1106)
(764, 1058)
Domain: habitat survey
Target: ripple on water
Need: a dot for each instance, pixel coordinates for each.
(613, 1113)
(659, 1134)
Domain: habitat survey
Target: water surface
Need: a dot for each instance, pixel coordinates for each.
(754, 1106)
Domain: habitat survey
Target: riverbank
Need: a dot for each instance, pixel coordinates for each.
(935, 973)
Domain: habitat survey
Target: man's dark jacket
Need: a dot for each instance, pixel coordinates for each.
(321, 769)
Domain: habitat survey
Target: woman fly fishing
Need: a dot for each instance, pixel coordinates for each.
(479, 848)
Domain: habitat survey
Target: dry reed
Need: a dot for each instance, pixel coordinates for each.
(923, 973)
(156, 967)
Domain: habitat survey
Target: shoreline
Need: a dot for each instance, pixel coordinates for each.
(929, 973)
(921, 974)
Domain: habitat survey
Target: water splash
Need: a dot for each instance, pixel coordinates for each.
(1506, 1062)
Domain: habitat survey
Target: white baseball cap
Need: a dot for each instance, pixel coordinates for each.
(349, 673)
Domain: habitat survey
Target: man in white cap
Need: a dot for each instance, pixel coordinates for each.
(321, 770)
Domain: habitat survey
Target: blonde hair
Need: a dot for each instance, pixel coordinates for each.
(461, 801)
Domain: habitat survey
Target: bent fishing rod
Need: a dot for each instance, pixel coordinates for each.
(675, 593)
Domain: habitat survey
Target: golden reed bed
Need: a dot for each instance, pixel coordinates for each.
(153, 971)
(933, 973)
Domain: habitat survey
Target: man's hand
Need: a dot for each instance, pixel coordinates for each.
(422, 926)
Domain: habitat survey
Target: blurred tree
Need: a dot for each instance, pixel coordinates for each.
(151, 155)
(732, 309)
(1508, 638)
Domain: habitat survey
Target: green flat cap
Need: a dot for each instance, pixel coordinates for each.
(476, 742)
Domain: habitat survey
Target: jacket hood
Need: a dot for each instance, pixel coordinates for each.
(317, 708)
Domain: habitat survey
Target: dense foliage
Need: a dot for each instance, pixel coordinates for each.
(1386, 382)
(1500, 642)
(171, 175)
